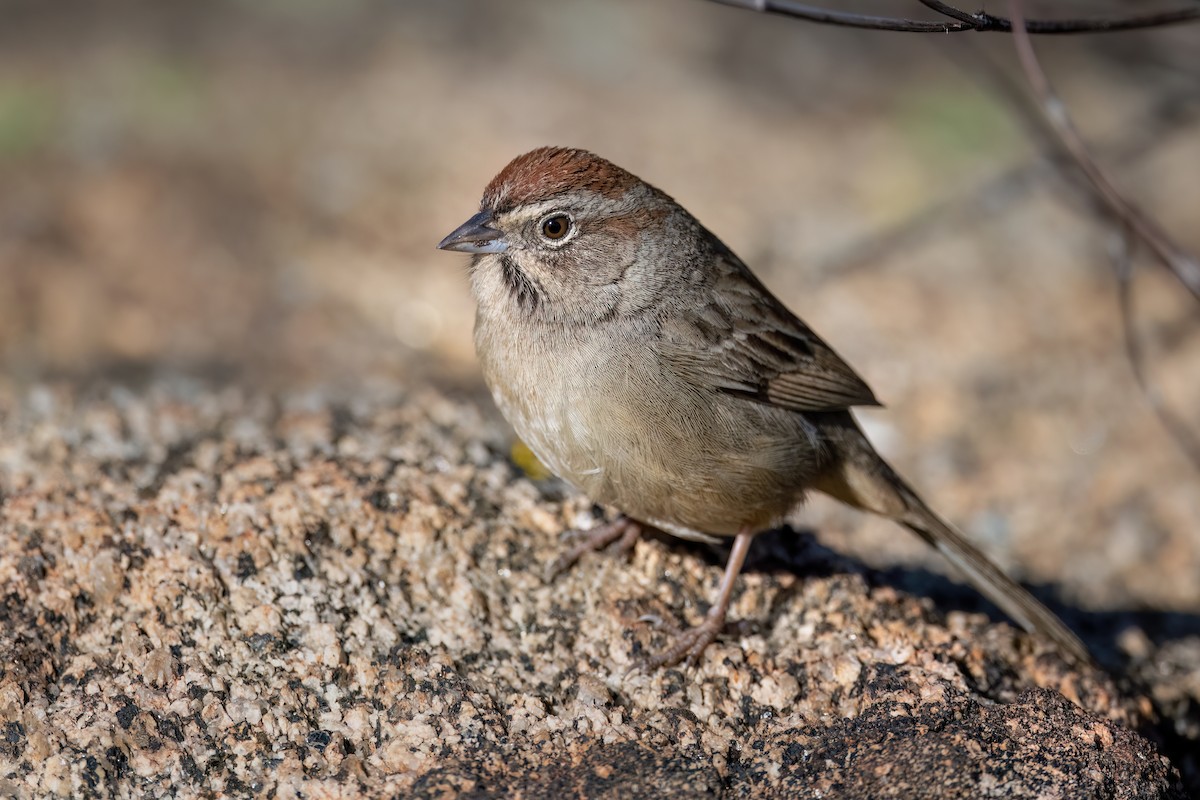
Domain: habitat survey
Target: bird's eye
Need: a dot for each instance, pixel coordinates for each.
(556, 227)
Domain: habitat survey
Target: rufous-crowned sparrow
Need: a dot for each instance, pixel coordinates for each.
(644, 363)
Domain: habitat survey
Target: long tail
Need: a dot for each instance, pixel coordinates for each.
(864, 480)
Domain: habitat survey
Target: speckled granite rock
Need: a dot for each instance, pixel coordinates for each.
(208, 591)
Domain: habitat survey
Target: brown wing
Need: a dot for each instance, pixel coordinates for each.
(744, 341)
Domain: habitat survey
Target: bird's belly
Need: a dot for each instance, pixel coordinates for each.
(658, 451)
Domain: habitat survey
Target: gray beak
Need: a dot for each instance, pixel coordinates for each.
(474, 236)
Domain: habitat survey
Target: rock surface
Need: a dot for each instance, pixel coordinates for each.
(206, 590)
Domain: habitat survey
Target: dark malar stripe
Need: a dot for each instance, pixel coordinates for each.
(524, 289)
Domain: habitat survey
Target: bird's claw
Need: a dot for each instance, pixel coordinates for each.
(622, 530)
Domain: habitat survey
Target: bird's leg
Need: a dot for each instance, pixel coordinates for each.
(622, 530)
(691, 643)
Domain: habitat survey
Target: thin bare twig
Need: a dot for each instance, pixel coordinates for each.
(999, 191)
(1184, 266)
(959, 20)
(1133, 223)
(1178, 427)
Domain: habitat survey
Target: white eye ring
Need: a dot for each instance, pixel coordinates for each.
(556, 228)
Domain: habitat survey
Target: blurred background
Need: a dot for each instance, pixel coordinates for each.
(249, 192)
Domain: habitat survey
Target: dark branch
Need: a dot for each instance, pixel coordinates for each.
(828, 16)
(959, 20)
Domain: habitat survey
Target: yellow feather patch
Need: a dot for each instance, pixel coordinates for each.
(524, 458)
